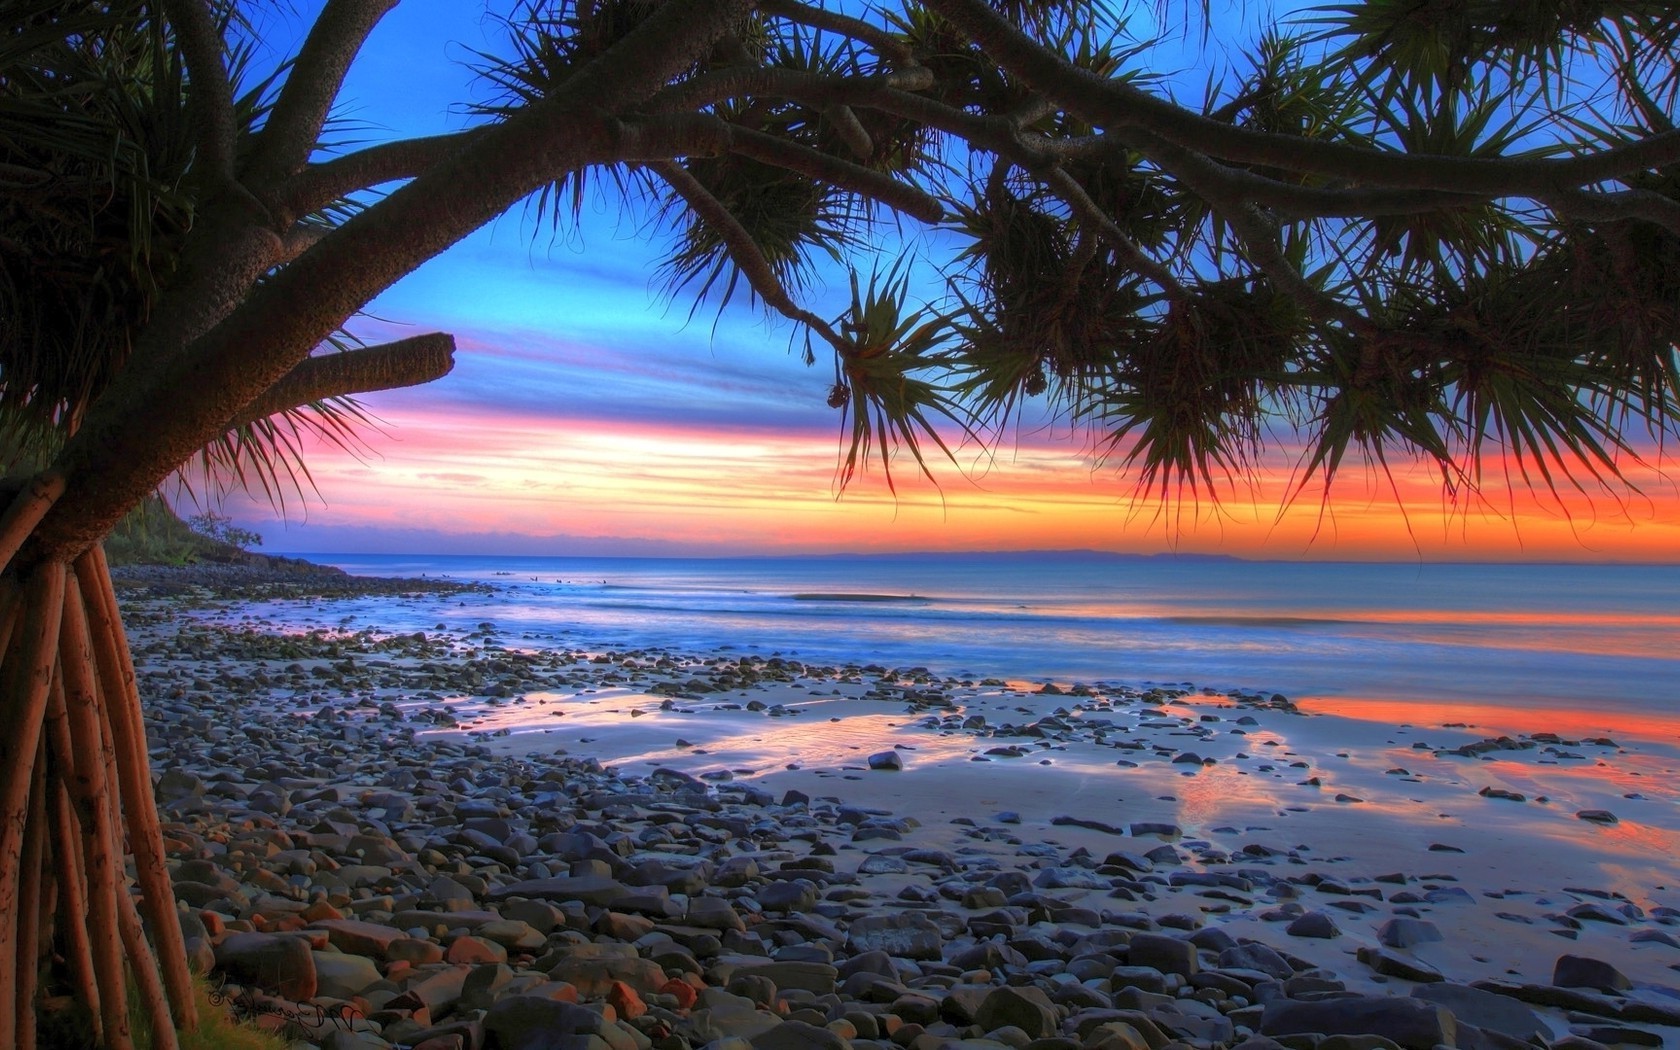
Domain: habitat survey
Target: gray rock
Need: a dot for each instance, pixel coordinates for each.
(340, 976)
(814, 977)
(886, 760)
(1484, 1009)
(1579, 971)
(1256, 956)
(1025, 1007)
(798, 1035)
(529, 1022)
(1403, 931)
(1164, 953)
(1316, 925)
(590, 889)
(907, 935)
(1412, 1023)
(275, 962)
(1391, 965)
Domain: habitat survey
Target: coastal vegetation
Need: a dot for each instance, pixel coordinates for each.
(1454, 237)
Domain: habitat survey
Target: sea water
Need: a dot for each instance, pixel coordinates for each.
(1523, 637)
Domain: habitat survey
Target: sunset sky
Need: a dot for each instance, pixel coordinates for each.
(587, 415)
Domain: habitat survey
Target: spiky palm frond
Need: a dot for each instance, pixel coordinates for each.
(99, 149)
(880, 380)
(1187, 407)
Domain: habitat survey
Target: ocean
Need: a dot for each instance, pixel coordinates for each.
(1531, 640)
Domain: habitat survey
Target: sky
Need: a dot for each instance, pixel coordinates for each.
(589, 414)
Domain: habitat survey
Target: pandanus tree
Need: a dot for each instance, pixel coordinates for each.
(1448, 231)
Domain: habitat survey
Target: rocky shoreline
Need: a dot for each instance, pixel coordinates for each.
(360, 877)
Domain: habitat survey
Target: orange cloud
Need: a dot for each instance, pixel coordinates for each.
(471, 469)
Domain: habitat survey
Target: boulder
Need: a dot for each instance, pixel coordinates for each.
(279, 963)
(1024, 1007)
(1412, 1023)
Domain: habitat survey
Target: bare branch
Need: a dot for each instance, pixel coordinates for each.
(818, 165)
(210, 98)
(851, 130)
(294, 127)
(1113, 103)
(742, 249)
(1259, 236)
(1069, 189)
(1622, 204)
(388, 366)
(318, 185)
(811, 88)
(883, 41)
(1289, 200)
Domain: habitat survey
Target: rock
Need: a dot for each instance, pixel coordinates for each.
(886, 760)
(814, 977)
(1579, 971)
(1412, 1023)
(1597, 816)
(529, 1022)
(1404, 931)
(1391, 965)
(1256, 956)
(789, 895)
(1314, 924)
(1484, 1009)
(799, 1035)
(1025, 1007)
(907, 935)
(341, 976)
(359, 938)
(279, 963)
(589, 889)
(1164, 953)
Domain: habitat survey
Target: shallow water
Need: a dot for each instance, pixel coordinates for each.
(1601, 642)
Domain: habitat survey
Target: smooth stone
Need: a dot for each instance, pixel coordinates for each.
(1161, 952)
(1580, 971)
(1315, 925)
(1404, 931)
(1024, 1007)
(341, 976)
(1412, 1023)
(279, 963)
(1484, 1009)
(907, 935)
(528, 1022)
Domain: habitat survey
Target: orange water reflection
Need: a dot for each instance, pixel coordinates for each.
(1494, 719)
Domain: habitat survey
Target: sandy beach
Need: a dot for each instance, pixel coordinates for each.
(1373, 857)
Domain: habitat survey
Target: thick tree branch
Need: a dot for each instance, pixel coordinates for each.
(318, 185)
(1288, 200)
(883, 41)
(742, 249)
(210, 95)
(388, 366)
(1116, 104)
(294, 127)
(124, 449)
(1259, 237)
(1624, 204)
(813, 89)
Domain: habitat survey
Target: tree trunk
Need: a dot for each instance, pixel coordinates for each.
(75, 803)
